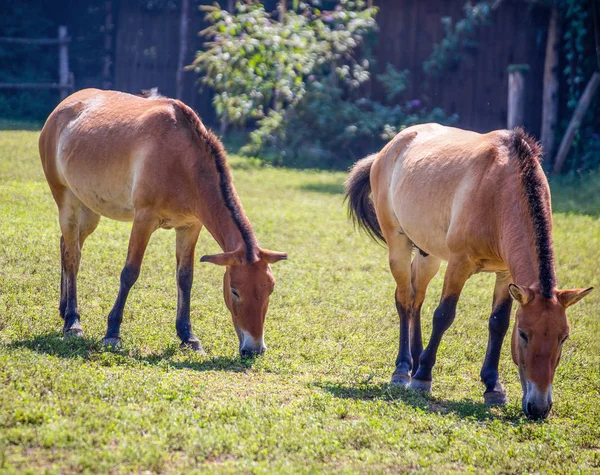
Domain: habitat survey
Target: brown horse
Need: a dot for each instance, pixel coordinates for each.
(151, 161)
(481, 203)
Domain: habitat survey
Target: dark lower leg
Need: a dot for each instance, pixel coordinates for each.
(416, 339)
(404, 358)
(498, 325)
(144, 224)
(63, 282)
(186, 243)
(129, 275)
(442, 319)
(183, 324)
(71, 317)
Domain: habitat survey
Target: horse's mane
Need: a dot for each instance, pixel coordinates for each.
(216, 150)
(528, 154)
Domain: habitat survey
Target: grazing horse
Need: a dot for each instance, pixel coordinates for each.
(481, 203)
(152, 161)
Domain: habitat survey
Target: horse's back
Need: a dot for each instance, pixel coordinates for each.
(439, 184)
(109, 148)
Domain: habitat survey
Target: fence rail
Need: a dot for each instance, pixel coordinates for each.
(66, 80)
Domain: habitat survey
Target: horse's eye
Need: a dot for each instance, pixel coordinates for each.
(235, 293)
(523, 336)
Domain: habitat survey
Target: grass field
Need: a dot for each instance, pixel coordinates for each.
(319, 399)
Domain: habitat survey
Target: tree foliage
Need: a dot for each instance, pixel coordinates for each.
(303, 80)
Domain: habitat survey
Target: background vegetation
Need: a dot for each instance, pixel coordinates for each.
(319, 399)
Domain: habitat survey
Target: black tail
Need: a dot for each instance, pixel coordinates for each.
(360, 205)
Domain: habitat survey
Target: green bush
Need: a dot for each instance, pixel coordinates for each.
(303, 80)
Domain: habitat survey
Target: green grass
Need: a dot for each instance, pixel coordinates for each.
(319, 399)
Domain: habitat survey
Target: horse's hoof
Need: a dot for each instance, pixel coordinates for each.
(193, 345)
(495, 398)
(73, 332)
(420, 385)
(113, 342)
(401, 379)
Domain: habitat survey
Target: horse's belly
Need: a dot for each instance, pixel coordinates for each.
(111, 203)
(107, 191)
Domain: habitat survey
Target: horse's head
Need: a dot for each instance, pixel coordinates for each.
(247, 287)
(540, 329)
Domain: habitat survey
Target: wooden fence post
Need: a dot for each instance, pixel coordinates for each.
(63, 61)
(183, 35)
(551, 84)
(108, 31)
(582, 106)
(516, 95)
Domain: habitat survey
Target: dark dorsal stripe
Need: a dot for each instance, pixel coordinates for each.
(217, 152)
(527, 152)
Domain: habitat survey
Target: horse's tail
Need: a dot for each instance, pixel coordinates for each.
(360, 204)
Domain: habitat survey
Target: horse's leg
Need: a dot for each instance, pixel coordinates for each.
(423, 269)
(457, 273)
(63, 280)
(68, 217)
(186, 245)
(87, 223)
(144, 224)
(499, 321)
(400, 249)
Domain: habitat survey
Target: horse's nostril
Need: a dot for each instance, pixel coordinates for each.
(529, 408)
(245, 352)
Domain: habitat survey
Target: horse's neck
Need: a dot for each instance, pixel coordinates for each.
(215, 215)
(519, 252)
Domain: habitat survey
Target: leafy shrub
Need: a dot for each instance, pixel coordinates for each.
(303, 80)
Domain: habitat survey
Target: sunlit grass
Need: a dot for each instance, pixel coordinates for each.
(319, 399)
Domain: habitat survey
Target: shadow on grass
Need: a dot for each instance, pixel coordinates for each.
(54, 344)
(464, 409)
(328, 188)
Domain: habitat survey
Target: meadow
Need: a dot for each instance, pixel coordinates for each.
(319, 399)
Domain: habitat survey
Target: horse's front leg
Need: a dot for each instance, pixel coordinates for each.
(457, 273)
(498, 325)
(145, 223)
(186, 245)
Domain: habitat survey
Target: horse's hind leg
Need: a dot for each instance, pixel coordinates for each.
(186, 245)
(457, 273)
(400, 249)
(423, 269)
(145, 222)
(498, 325)
(69, 216)
(87, 223)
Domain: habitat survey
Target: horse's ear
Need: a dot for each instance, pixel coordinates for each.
(271, 257)
(231, 258)
(572, 296)
(520, 294)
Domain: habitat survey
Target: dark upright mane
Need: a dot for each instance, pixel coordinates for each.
(230, 198)
(527, 152)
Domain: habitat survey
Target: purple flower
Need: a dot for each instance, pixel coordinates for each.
(415, 103)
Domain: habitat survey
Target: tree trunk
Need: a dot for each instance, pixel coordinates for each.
(551, 85)
(183, 40)
(582, 106)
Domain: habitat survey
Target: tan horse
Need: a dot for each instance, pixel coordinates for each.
(151, 161)
(481, 203)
